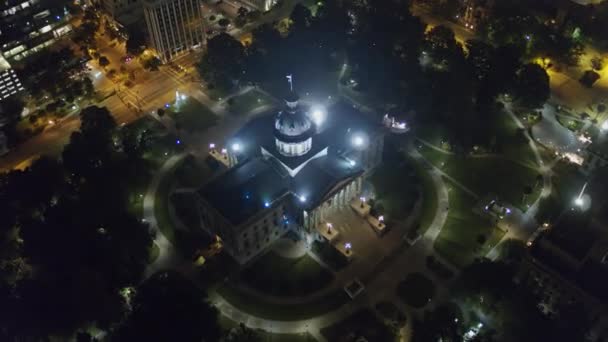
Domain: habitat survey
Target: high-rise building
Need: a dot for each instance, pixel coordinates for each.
(27, 27)
(174, 26)
(122, 13)
(260, 5)
(9, 83)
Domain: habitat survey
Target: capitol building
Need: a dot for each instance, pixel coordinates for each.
(288, 172)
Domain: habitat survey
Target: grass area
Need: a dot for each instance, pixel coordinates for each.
(361, 324)
(465, 234)
(157, 146)
(192, 173)
(282, 312)
(395, 189)
(264, 336)
(250, 100)
(488, 175)
(511, 141)
(278, 276)
(329, 254)
(154, 253)
(567, 183)
(192, 116)
(416, 290)
(187, 242)
(161, 206)
(429, 198)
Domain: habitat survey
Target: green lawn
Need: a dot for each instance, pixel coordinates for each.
(511, 141)
(193, 173)
(429, 198)
(282, 312)
(245, 103)
(416, 290)
(395, 189)
(278, 276)
(488, 175)
(465, 234)
(361, 324)
(185, 241)
(567, 183)
(154, 252)
(192, 116)
(264, 336)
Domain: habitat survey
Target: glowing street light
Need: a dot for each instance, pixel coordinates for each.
(358, 141)
(212, 146)
(224, 151)
(318, 116)
(302, 198)
(579, 202)
(348, 247)
(352, 163)
(236, 147)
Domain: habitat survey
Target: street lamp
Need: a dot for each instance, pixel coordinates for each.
(236, 147)
(347, 247)
(318, 115)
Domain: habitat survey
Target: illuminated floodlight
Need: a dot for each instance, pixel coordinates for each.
(579, 202)
(211, 146)
(224, 151)
(358, 141)
(266, 204)
(236, 147)
(352, 163)
(318, 116)
(302, 198)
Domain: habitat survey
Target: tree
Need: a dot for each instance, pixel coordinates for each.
(532, 86)
(222, 64)
(447, 9)
(10, 114)
(168, 307)
(103, 61)
(301, 17)
(136, 42)
(443, 47)
(241, 334)
(224, 22)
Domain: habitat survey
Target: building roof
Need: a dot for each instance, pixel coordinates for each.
(257, 181)
(243, 191)
(252, 185)
(342, 121)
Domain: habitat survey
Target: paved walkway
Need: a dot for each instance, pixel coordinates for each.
(168, 257)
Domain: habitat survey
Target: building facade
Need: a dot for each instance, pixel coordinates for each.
(260, 5)
(9, 82)
(291, 173)
(27, 27)
(174, 26)
(123, 13)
